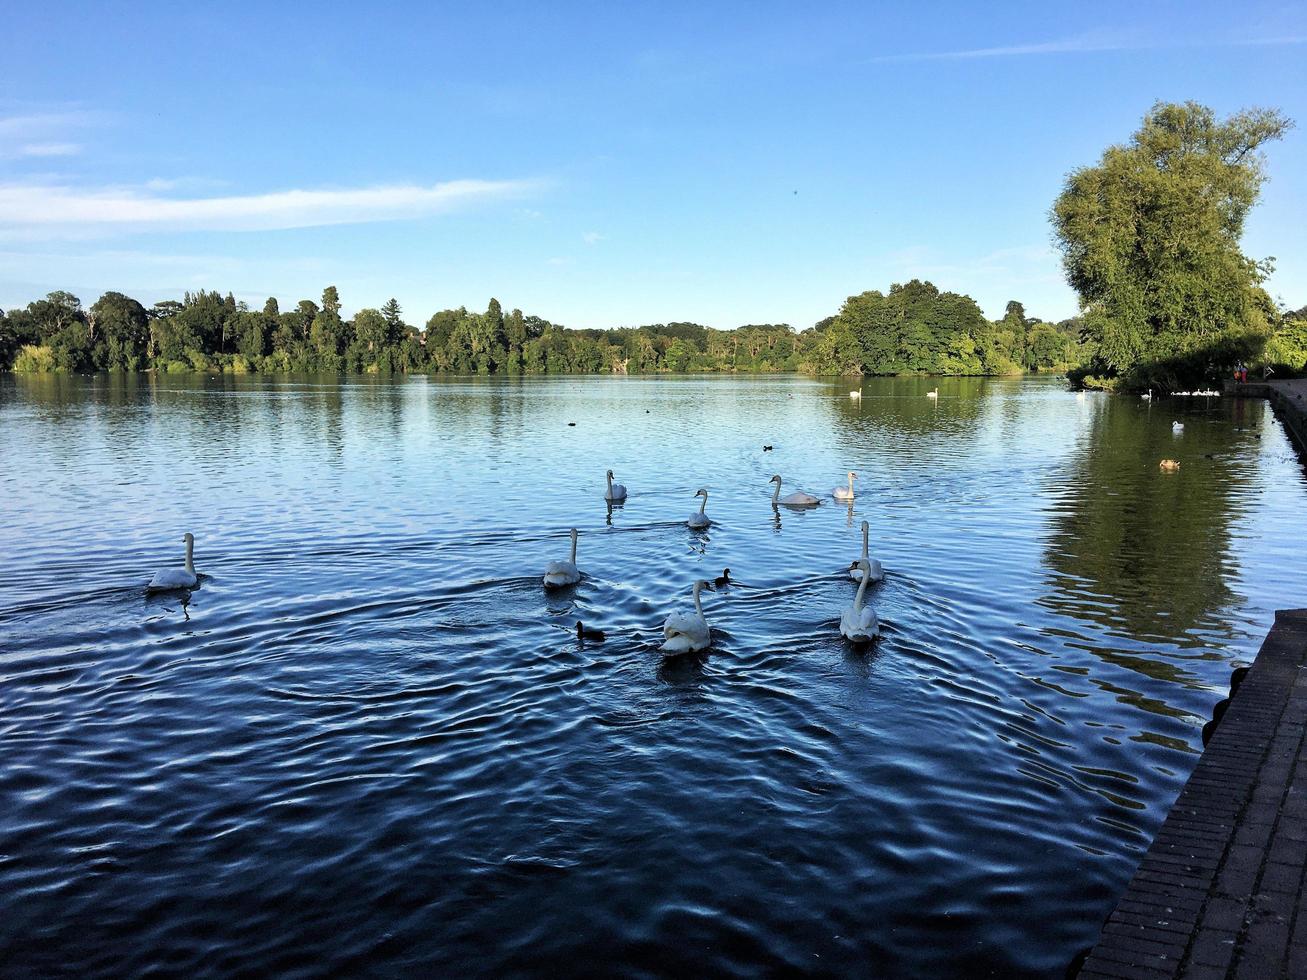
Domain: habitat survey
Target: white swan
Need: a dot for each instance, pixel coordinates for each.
(687, 632)
(1177, 427)
(933, 394)
(841, 493)
(1147, 395)
(170, 579)
(615, 491)
(699, 520)
(855, 567)
(560, 573)
(796, 499)
(855, 394)
(859, 622)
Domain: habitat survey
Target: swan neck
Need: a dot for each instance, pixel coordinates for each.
(704, 505)
(862, 591)
(865, 553)
(609, 478)
(698, 608)
(777, 494)
(190, 557)
(573, 546)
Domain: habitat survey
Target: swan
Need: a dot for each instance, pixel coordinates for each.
(560, 573)
(796, 499)
(169, 579)
(855, 394)
(687, 632)
(855, 567)
(699, 520)
(859, 622)
(933, 394)
(840, 493)
(1177, 427)
(615, 491)
(1147, 395)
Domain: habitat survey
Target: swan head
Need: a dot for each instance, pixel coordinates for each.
(866, 526)
(188, 537)
(775, 479)
(852, 475)
(609, 474)
(701, 492)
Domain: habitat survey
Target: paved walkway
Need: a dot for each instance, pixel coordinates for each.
(1220, 892)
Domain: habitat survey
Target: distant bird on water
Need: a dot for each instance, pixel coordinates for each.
(1177, 427)
(687, 632)
(1169, 465)
(859, 623)
(560, 573)
(584, 633)
(933, 394)
(873, 566)
(796, 499)
(173, 579)
(845, 493)
(855, 395)
(699, 520)
(766, 449)
(615, 491)
(723, 579)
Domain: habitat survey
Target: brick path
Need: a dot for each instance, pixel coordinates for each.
(1220, 892)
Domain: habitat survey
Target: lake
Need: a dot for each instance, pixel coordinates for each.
(370, 742)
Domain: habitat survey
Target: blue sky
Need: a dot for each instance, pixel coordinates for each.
(601, 164)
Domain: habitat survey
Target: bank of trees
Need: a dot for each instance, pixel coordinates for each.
(912, 328)
(915, 328)
(1150, 239)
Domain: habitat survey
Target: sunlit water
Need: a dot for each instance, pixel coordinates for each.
(372, 743)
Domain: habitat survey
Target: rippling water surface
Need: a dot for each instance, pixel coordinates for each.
(371, 742)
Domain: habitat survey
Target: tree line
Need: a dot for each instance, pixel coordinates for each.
(914, 327)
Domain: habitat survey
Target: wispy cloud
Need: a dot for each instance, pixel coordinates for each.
(591, 237)
(51, 207)
(39, 125)
(48, 150)
(1083, 44)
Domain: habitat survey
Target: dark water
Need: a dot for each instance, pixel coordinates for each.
(371, 744)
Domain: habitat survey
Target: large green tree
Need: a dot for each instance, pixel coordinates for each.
(1150, 240)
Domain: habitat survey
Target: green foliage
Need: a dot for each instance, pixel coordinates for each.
(32, 359)
(1150, 241)
(915, 328)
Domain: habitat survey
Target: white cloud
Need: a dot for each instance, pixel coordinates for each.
(53, 206)
(39, 125)
(1084, 44)
(49, 150)
(559, 260)
(590, 237)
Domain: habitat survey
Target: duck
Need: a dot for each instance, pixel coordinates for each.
(687, 632)
(796, 499)
(584, 633)
(855, 566)
(859, 623)
(843, 493)
(561, 573)
(1177, 427)
(1169, 465)
(173, 579)
(615, 491)
(723, 579)
(933, 394)
(699, 520)
(766, 449)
